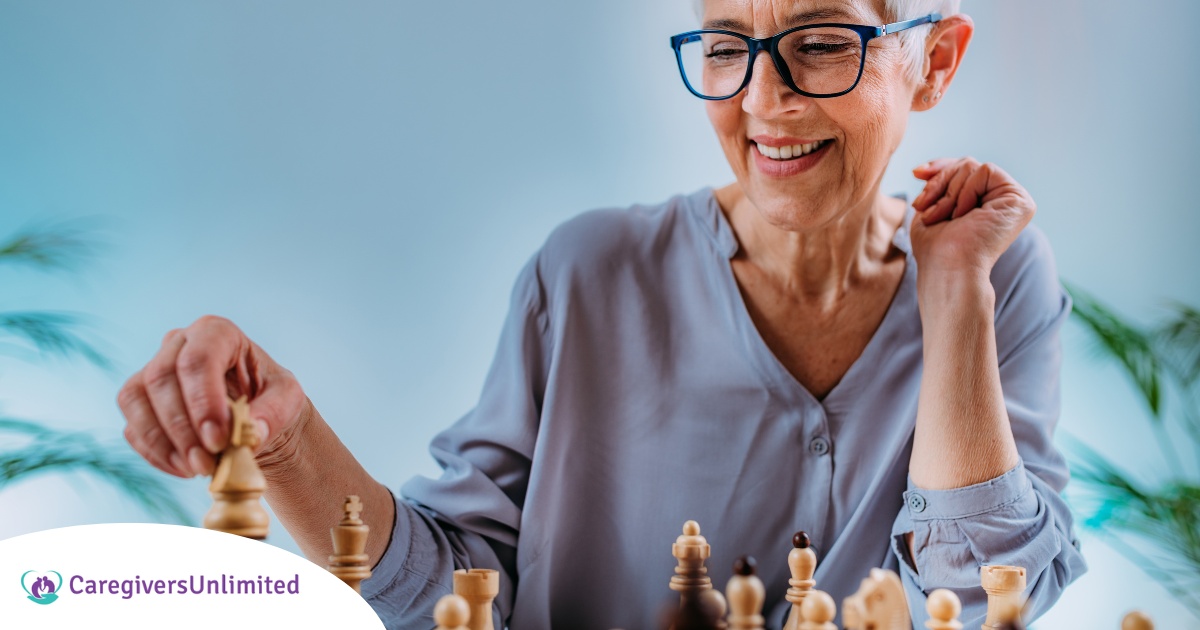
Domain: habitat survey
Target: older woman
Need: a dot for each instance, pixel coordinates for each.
(793, 351)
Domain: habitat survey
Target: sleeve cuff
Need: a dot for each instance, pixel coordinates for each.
(388, 569)
(925, 505)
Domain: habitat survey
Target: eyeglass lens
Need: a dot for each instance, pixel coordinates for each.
(822, 61)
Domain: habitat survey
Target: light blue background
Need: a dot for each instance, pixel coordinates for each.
(356, 185)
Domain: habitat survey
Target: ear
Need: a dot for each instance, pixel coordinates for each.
(944, 50)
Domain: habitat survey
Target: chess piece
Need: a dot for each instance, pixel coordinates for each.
(818, 611)
(451, 613)
(1004, 586)
(350, 562)
(745, 594)
(803, 562)
(704, 611)
(944, 608)
(691, 579)
(879, 604)
(238, 483)
(1137, 620)
(478, 587)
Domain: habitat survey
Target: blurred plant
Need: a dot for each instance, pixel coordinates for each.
(28, 448)
(1162, 522)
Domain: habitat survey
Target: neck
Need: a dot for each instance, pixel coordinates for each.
(822, 264)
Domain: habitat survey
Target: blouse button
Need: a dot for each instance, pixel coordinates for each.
(916, 502)
(819, 446)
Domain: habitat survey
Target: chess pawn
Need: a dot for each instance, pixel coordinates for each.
(1004, 586)
(1137, 620)
(451, 613)
(691, 550)
(238, 483)
(479, 588)
(944, 608)
(803, 562)
(745, 595)
(818, 611)
(350, 562)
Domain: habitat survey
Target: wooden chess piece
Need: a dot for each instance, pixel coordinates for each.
(818, 611)
(878, 604)
(1004, 586)
(451, 613)
(691, 579)
(944, 608)
(479, 588)
(1137, 620)
(238, 483)
(350, 562)
(745, 594)
(803, 562)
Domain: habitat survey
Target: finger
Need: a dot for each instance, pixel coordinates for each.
(945, 206)
(932, 167)
(162, 387)
(933, 190)
(143, 432)
(278, 403)
(972, 191)
(211, 351)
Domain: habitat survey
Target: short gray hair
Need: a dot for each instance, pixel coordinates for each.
(912, 41)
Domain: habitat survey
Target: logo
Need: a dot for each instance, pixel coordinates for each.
(40, 588)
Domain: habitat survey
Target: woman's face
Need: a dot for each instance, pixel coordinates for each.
(857, 132)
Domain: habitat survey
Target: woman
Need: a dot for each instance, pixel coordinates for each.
(763, 358)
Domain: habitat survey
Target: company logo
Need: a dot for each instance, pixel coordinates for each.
(39, 586)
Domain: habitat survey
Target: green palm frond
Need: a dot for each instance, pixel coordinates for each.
(1179, 339)
(1133, 347)
(45, 450)
(60, 246)
(51, 333)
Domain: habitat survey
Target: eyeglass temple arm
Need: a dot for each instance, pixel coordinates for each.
(900, 26)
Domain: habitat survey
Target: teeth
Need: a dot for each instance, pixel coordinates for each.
(788, 152)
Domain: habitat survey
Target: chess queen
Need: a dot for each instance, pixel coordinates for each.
(795, 350)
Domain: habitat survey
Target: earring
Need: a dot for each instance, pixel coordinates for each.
(938, 95)
(925, 98)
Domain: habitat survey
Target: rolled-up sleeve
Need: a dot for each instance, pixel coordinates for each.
(470, 516)
(1018, 518)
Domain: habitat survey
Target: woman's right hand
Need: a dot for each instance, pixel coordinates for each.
(176, 407)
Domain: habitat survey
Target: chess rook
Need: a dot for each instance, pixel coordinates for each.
(350, 562)
(479, 588)
(745, 594)
(802, 561)
(238, 483)
(1004, 586)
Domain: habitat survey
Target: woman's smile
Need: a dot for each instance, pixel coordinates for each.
(782, 157)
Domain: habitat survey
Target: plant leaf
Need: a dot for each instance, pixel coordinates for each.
(59, 246)
(53, 451)
(1179, 341)
(1131, 346)
(51, 333)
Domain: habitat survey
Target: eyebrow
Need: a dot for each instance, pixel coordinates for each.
(794, 20)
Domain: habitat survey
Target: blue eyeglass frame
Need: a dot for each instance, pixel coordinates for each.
(771, 46)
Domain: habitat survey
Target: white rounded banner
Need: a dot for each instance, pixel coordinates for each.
(138, 575)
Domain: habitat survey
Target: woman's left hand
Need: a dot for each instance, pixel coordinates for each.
(968, 214)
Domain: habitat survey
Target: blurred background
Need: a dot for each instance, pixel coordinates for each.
(357, 184)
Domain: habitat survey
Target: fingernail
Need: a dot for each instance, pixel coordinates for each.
(264, 430)
(211, 436)
(200, 461)
(177, 463)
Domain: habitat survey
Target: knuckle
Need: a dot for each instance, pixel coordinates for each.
(130, 393)
(177, 424)
(193, 361)
(214, 322)
(171, 334)
(158, 374)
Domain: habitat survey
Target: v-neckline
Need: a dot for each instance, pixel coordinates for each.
(763, 357)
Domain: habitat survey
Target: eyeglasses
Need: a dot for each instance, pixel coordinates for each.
(816, 60)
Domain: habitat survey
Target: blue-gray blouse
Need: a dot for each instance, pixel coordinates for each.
(631, 392)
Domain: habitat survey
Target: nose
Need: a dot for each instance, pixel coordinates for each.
(767, 96)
